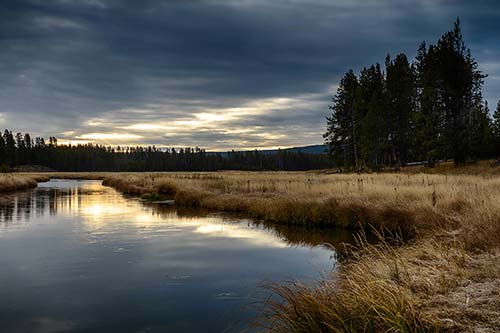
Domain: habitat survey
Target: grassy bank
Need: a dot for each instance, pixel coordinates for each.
(15, 182)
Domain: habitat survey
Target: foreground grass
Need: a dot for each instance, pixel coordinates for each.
(425, 287)
(437, 267)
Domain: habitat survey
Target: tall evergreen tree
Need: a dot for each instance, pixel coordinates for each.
(27, 141)
(400, 97)
(482, 142)
(460, 85)
(429, 121)
(340, 136)
(371, 126)
(10, 147)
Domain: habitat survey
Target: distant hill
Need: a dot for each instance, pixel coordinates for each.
(313, 149)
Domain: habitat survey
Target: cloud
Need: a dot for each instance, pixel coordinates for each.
(47, 22)
(108, 136)
(213, 73)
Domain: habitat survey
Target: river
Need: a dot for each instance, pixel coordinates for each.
(76, 256)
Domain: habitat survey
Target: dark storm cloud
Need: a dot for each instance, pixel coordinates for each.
(218, 74)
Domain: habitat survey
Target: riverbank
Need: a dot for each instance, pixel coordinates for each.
(441, 275)
(14, 182)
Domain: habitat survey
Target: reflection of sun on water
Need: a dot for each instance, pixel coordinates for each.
(102, 214)
(94, 211)
(101, 210)
(210, 229)
(144, 219)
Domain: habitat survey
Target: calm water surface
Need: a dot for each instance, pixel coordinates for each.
(79, 257)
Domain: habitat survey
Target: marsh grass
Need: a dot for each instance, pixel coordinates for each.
(371, 293)
(13, 182)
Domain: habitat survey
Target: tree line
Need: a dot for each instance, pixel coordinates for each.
(22, 149)
(427, 110)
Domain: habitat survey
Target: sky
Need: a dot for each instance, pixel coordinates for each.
(218, 74)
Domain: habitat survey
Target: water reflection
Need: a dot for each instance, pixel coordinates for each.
(77, 256)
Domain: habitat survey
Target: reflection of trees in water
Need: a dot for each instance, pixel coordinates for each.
(25, 205)
(7, 210)
(41, 205)
(16, 207)
(35, 203)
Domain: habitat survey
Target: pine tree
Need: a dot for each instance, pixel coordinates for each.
(10, 147)
(429, 122)
(482, 143)
(371, 121)
(460, 85)
(27, 141)
(400, 99)
(340, 135)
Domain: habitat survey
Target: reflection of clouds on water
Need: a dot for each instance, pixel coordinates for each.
(254, 235)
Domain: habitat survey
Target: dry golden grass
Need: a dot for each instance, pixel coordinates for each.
(441, 274)
(425, 287)
(10, 182)
(367, 295)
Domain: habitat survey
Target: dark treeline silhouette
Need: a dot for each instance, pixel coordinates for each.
(21, 149)
(428, 110)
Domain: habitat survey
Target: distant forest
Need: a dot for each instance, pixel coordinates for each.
(428, 110)
(21, 149)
